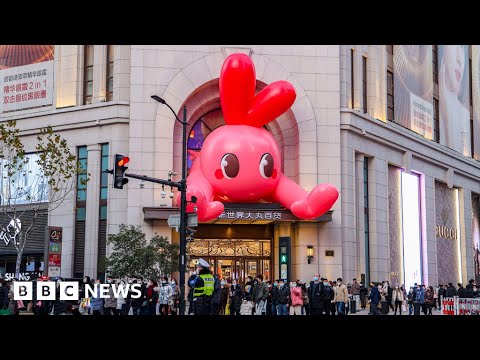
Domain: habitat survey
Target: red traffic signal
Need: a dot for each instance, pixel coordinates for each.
(123, 161)
(119, 171)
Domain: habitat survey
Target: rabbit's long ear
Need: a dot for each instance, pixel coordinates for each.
(237, 88)
(270, 103)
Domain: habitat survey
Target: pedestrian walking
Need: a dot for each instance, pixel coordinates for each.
(341, 297)
(165, 296)
(297, 300)
(236, 295)
(259, 295)
(283, 298)
(316, 294)
(397, 299)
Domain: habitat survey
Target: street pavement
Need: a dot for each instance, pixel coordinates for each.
(367, 310)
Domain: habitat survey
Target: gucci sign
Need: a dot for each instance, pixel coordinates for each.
(446, 232)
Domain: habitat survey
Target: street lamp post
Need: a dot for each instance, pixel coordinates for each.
(183, 202)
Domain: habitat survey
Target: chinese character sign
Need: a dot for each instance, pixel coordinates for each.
(54, 250)
(26, 77)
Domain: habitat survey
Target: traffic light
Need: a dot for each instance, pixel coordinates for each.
(119, 171)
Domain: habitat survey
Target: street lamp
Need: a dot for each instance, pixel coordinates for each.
(183, 202)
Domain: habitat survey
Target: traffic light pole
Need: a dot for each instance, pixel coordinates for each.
(182, 187)
(183, 214)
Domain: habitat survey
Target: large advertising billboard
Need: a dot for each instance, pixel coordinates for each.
(476, 100)
(413, 88)
(26, 76)
(454, 97)
(447, 234)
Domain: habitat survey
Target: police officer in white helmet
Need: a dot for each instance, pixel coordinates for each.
(202, 284)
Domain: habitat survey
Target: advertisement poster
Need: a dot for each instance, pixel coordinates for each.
(26, 76)
(54, 250)
(476, 100)
(54, 259)
(447, 234)
(454, 97)
(413, 88)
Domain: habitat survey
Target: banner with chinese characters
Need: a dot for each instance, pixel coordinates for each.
(252, 215)
(26, 76)
(413, 88)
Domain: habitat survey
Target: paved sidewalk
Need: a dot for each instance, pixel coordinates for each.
(367, 310)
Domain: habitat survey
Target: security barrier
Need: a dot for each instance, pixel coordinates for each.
(460, 306)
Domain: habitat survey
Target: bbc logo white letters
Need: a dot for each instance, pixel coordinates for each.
(46, 290)
(68, 290)
(22, 290)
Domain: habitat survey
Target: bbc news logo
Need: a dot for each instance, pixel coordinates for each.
(69, 290)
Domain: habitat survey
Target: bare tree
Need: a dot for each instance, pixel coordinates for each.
(35, 182)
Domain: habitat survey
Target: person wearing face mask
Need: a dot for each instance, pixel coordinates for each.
(121, 302)
(328, 298)
(152, 296)
(410, 300)
(397, 299)
(175, 297)
(96, 302)
(374, 299)
(316, 296)
(249, 288)
(259, 295)
(297, 301)
(419, 301)
(236, 295)
(110, 307)
(274, 296)
(363, 295)
(59, 306)
(217, 293)
(341, 296)
(283, 298)
(165, 296)
(223, 296)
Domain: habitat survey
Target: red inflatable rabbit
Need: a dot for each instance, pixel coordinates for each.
(240, 162)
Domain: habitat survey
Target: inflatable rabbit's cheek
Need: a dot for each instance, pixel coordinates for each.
(243, 163)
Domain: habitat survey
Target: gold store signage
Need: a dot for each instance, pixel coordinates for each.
(446, 232)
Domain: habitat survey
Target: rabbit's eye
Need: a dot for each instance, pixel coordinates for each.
(230, 166)
(266, 165)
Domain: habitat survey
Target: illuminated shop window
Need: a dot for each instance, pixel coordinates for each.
(199, 132)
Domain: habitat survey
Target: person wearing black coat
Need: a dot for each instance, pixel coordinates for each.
(274, 294)
(217, 294)
(236, 295)
(316, 296)
(283, 297)
(440, 294)
(363, 295)
(451, 291)
(469, 293)
(4, 289)
(462, 292)
(374, 299)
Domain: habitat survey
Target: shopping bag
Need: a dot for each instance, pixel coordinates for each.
(5, 312)
(85, 303)
(227, 309)
(404, 308)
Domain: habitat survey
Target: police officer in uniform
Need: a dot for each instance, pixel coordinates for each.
(202, 284)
